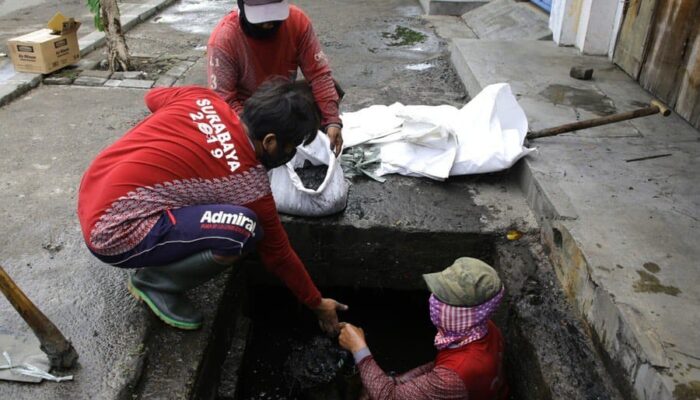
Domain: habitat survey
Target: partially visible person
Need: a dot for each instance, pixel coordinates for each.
(266, 38)
(185, 194)
(469, 363)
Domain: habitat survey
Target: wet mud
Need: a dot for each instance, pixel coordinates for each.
(312, 176)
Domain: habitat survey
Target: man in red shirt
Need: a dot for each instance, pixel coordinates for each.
(469, 364)
(266, 38)
(185, 194)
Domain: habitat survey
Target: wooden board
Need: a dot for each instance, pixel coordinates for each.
(688, 104)
(634, 36)
(669, 47)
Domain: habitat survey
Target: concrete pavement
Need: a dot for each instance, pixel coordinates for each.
(622, 233)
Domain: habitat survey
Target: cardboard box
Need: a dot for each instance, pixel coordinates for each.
(46, 50)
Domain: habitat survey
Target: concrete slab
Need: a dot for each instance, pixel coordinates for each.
(508, 20)
(89, 81)
(626, 249)
(136, 84)
(450, 7)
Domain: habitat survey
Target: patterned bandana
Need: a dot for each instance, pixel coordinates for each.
(458, 326)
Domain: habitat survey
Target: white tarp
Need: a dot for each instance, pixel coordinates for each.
(486, 135)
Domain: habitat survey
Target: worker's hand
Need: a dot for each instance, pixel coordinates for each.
(351, 337)
(327, 315)
(335, 134)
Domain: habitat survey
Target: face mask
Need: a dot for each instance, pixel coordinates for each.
(255, 30)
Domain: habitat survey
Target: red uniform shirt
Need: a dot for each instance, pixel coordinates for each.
(238, 64)
(472, 372)
(192, 150)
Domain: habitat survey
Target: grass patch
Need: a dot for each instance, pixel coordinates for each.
(403, 36)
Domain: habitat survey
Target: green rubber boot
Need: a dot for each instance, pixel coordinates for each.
(163, 288)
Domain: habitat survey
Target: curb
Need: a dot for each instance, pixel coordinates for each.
(627, 345)
(23, 82)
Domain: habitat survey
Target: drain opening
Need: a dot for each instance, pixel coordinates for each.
(287, 356)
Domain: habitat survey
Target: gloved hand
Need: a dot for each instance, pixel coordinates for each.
(326, 312)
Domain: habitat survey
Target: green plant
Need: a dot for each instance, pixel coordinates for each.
(96, 10)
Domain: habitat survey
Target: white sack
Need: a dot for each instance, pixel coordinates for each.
(491, 130)
(486, 135)
(293, 198)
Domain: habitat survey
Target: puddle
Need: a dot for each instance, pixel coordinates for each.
(207, 13)
(589, 100)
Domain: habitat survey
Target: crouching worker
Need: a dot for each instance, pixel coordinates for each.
(185, 194)
(470, 347)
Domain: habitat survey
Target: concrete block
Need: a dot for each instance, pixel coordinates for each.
(136, 84)
(133, 75)
(8, 92)
(58, 80)
(508, 20)
(165, 81)
(89, 81)
(97, 73)
(582, 73)
(113, 83)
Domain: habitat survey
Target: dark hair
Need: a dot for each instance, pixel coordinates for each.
(286, 109)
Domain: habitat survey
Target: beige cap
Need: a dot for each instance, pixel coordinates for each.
(466, 283)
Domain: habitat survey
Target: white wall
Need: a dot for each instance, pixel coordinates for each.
(590, 25)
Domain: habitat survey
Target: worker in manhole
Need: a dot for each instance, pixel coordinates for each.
(469, 363)
(185, 194)
(265, 38)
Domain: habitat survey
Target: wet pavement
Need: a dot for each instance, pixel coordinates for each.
(381, 52)
(50, 136)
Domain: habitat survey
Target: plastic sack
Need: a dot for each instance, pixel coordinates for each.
(293, 198)
(486, 135)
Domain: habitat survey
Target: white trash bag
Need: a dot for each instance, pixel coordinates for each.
(293, 198)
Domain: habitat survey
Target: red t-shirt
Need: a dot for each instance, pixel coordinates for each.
(238, 64)
(192, 150)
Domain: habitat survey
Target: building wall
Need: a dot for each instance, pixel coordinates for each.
(590, 25)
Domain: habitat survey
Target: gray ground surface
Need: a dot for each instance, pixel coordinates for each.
(51, 134)
(623, 233)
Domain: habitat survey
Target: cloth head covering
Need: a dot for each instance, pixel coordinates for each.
(459, 326)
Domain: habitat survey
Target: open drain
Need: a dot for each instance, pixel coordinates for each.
(276, 350)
